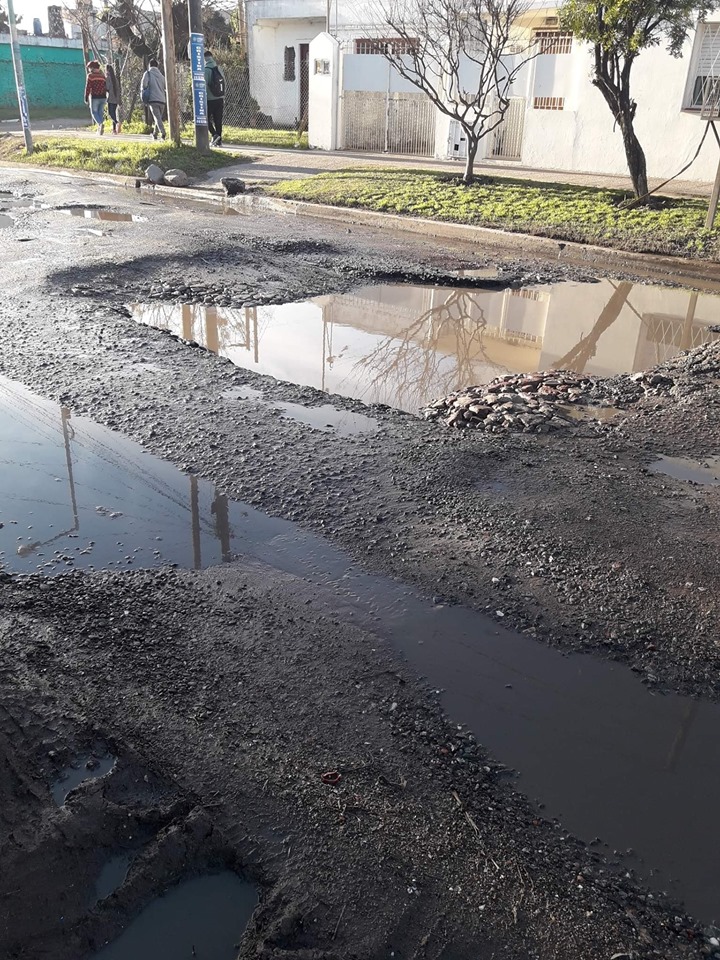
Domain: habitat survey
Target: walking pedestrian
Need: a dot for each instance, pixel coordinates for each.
(215, 86)
(95, 94)
(155, 96)
(114, 98)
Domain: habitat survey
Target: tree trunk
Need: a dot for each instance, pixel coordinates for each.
(473, 143)
(635, 156)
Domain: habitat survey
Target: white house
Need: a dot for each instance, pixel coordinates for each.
(323, 57)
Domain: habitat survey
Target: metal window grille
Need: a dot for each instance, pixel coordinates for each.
(705, 93)
(289, 63)
(322, 67)
(375, 45)
(549, 103)
(554, 41)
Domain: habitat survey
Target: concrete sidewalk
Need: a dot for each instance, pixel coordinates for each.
(271, 164)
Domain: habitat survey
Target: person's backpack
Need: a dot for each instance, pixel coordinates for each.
(146, 94)
(217, 83)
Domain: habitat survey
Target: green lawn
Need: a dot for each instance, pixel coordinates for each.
(554, 210)
(107, 155)
(255, 137)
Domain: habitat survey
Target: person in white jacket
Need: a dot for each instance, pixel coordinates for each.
(154, 94)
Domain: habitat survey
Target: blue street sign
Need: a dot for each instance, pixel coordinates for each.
(197, 64)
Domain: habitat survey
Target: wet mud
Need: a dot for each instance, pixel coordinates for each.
(265, 713)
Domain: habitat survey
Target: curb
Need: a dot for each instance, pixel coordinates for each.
(646, 265)
(643, 264)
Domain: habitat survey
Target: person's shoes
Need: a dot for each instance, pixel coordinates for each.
(101, 129)
(218, 142)
(154, 135)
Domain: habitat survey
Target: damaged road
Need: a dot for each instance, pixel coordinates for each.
(259, 723)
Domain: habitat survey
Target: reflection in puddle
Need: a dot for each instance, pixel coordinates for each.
(590, 741)
(104, 215)
(77, 496)
(203, 917)
(405, 345)
(87, 768)
(682, 468)
(327, 417)
(112, 875)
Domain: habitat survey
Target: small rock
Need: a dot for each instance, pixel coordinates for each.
(154, 173)
(177, 178)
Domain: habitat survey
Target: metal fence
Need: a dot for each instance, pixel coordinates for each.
(508, 137)
(388, 122)
(265, 101)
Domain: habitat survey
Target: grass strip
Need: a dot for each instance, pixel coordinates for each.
(562, 211)
(106, 155)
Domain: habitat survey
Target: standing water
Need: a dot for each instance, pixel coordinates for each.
(602, 752)
(406, 345)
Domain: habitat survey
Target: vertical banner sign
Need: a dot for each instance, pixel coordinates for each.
(197, 63)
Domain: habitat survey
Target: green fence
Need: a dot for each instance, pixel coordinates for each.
(54, 77)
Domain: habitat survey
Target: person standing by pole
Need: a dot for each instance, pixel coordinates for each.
(114, 98)
(215, 85)
(19, 78)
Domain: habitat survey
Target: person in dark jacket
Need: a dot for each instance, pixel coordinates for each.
(96, 94)
(114, 98)
(154, 94)
(215, 87)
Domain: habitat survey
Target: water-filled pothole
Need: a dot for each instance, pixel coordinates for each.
(74, 495)
(112, 875)
(404, 345)
(86, 768)
(6, 221)
(329, 418)
(111, 215)
(203, 917)
(324, 417)
(705, 472)
(590, 741)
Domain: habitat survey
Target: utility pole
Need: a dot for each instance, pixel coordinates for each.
(19, 78)
(197, 65)
(168, 40)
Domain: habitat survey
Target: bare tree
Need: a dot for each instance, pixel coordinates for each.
(464, 55)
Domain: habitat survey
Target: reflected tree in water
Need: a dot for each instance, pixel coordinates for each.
(437, 352)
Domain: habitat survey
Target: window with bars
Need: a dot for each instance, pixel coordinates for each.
(289, 64)
(706, 80)
(554, 41)
(322, 67)
(397, 45)
(549, 103)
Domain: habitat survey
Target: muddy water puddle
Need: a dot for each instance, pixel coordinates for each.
(604, 754)
(705, 473)
(203, 917)
(74, 495)
(112, 216)
(86, 768)
(112, 875)
(324, 417)
(404, 345)
(5, 221)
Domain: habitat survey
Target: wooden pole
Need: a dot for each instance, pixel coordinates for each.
(168, 41)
